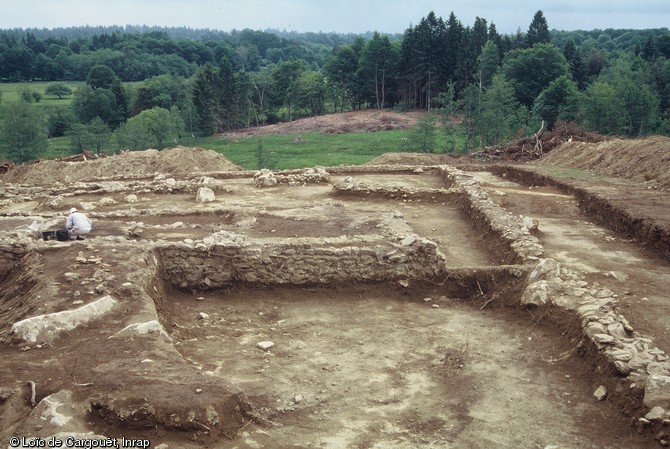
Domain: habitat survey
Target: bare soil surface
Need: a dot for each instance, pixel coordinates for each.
(371, 366)
(357, 121)
(365, 365)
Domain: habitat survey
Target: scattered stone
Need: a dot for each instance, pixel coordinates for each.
(265, 345)
(132, 198)
(198, 390)
(71, 277)
(56, 203)
(106, 201)
(604, 293)
(317, 174)
(202, 316)
(600, 393)
(298, 399)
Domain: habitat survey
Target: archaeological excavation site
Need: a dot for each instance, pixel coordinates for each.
(416, 301)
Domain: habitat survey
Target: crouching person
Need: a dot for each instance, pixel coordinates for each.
(77, 224)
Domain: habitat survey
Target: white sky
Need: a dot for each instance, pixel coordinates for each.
(342, 16)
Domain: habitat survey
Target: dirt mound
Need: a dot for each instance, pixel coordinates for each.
(413, 159)
(340, 123)
(173, 161)
(643, 160)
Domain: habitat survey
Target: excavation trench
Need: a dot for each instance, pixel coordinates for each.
(393, 304)
(379, 365)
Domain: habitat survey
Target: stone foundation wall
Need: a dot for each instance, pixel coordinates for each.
(519, 245)
(214, 263)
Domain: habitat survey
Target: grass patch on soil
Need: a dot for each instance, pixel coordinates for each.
(310, 149)
(578, 174)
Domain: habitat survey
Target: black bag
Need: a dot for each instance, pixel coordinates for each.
(62, 235)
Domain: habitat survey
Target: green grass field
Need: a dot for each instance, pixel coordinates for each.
(311, 149)
(288, 151)
(11, 92)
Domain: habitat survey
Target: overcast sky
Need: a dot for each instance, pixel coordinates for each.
(343, 16)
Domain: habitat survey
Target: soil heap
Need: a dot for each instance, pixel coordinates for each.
(178, 161)
(642, 160)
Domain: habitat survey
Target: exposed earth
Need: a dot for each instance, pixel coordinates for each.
(416, 301)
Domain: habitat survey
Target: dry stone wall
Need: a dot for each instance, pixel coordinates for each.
(228, 258)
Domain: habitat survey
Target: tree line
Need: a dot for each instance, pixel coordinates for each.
(615, 82)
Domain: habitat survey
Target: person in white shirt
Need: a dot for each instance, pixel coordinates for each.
(77, 225)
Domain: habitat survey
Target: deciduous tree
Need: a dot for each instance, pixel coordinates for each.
(378, 66)
(23, 135)
(531, 70)
(58, 89)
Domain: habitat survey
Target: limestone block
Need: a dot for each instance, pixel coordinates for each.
(535, 294)
(46, 328)
(545, 269)
(152, 327)
(265, 178)
(657, 391)
(205, 195)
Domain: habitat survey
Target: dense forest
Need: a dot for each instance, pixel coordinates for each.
(147, 86)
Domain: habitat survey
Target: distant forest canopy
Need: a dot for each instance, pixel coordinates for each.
(136, 52)
(190, 81)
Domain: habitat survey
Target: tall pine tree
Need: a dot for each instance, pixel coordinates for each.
(538, 31)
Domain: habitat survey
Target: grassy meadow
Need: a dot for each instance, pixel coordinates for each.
(12, 92)
(312, 148)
